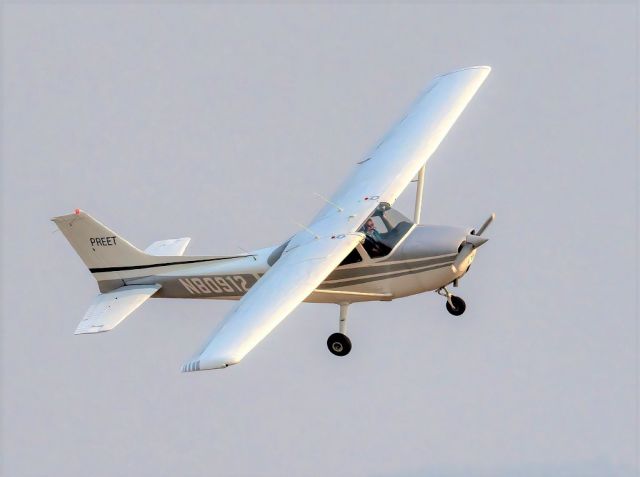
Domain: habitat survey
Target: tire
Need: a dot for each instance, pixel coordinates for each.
(339, 344)
(458, 306)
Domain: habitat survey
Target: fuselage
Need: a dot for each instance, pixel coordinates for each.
(420, 262)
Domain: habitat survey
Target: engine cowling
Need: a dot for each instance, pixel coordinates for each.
(433, 241)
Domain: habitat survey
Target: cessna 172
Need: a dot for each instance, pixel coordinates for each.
(357, 248)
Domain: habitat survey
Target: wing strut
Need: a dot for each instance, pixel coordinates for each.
(419, 190)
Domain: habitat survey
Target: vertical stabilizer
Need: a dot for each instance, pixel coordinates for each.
(98, 246)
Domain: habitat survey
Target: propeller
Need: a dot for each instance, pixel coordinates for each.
(471, 241)
(486, 224)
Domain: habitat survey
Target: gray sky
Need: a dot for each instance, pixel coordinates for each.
(218, 122)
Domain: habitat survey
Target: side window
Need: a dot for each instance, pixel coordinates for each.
(384, 228)
(353, 257)
(379, 224)
(375, 248)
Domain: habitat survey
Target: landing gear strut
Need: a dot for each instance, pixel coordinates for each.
(339, 343)
(455, 304)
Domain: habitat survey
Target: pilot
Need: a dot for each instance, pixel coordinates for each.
(370, 230)
(373, 243)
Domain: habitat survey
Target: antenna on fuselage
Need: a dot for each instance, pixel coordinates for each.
(419, 189)
(249, 254)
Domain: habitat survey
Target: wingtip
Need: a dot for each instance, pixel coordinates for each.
(91, 330)
(191, 366)
(486, 68)
(200, 364)
(477, 67)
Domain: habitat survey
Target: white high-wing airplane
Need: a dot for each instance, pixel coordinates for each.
(357, 248)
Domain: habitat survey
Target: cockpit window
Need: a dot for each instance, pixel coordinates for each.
(383, 230)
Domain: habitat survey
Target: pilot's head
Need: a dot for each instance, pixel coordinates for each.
(369, 226)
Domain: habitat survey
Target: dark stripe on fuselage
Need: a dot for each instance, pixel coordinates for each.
(383, 268)
(335, 285)
(166, 264)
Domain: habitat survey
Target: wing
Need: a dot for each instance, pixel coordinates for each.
(380, 177)
(109, 309)
(385, 172)
(291, 279)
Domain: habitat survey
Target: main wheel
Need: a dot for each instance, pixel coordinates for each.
(339, 344)
(458, 306)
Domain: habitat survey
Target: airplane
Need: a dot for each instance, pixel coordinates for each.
(357, 248)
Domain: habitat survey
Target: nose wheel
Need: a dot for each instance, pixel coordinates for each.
(339, 343)
(455, 305)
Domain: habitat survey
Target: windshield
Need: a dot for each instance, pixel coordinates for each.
(384, 229)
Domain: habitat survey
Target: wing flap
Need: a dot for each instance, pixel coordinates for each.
(294, 276)
(109, 309)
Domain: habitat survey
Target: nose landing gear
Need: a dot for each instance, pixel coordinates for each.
(455, 305)
(339, 343)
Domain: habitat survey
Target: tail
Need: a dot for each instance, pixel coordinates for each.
(108, 256)
(113, 261)
(98, 246)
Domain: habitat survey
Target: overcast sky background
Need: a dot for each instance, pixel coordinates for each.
(219, 122)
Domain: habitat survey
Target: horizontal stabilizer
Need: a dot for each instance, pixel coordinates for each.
(171, 247)
(109, 309)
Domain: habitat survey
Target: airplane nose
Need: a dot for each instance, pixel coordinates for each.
(475, 240)
(472, 242)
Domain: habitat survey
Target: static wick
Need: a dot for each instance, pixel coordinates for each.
(340, 209)
(315, 235)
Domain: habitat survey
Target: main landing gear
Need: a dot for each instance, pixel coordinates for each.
(455, 304)
(339, 343)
